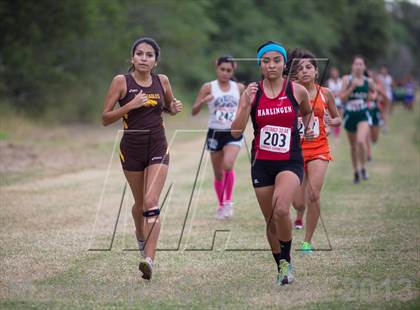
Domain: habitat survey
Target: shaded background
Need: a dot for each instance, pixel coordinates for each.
(57, 58)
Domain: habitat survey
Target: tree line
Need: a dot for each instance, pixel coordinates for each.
(58, 57)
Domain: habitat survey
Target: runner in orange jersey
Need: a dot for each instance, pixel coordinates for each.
(316, 152)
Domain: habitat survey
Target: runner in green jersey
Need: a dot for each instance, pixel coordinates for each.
(355, 90)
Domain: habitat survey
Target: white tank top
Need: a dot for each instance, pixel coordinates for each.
(387, 81)
(335, 86)
(224, 105)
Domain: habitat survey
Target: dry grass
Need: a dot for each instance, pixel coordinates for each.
(48, 212)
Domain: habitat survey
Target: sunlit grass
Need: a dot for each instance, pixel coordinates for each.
(373, 227)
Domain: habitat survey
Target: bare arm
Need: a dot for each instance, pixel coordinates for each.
(244, 109)
(346, 89)
(302, 97)
(380, 89)
(372, 87)
(241, 88)
(116, 91)
(204, 96)
(172, 104)
(333, 119)
(169, 96)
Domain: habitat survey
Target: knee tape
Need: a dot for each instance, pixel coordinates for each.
(152, 215)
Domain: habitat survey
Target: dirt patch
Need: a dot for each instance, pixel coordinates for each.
(63, 149)
(68, 148)
(16, 157)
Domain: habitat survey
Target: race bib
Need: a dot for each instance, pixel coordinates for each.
(356, 105)
(224, 117)
(315, 128)
(275, 139)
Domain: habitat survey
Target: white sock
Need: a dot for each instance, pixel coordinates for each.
(141, 244)
(149, 260)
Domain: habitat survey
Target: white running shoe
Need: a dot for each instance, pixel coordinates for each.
(220, 214)
(146, 267)
(228, 209)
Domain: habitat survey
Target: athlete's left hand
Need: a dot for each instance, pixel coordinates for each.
(330, 121)
(327, 119)
(176, 106)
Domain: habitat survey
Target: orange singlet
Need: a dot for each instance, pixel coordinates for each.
(317, 148)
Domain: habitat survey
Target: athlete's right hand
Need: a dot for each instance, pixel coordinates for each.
(353, 84)
(250, 92)
(207, 98)
(138, 101)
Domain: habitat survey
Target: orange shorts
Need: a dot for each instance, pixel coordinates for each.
(309, 156)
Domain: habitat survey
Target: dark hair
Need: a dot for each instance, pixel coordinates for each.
(268, 43)
(148, 41)
(334, 68)
(298, 53)
(358, 56)
(265, 44)
(225, 59)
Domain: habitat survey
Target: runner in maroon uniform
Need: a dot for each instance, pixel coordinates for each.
(143, 96)
(277, 164)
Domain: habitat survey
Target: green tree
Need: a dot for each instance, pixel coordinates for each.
(58, 57)
(406, 31)
(364, 28)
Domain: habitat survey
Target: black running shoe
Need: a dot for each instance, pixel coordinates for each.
(356, 179)
(364, 174)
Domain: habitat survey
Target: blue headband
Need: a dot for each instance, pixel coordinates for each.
(273, 47)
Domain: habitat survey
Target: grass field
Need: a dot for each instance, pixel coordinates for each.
(60, 196)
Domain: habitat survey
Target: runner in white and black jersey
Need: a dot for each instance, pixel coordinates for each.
(222, 97)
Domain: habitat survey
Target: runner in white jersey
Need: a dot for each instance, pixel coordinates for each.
(334, 83)
(222, 97)
(386, 79)
(222, 107)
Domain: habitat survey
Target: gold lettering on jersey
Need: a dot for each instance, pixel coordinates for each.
(151, 102)
(153, 96)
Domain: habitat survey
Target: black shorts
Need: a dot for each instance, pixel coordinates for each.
(264, 172)
(140, 151)
(218, 138)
